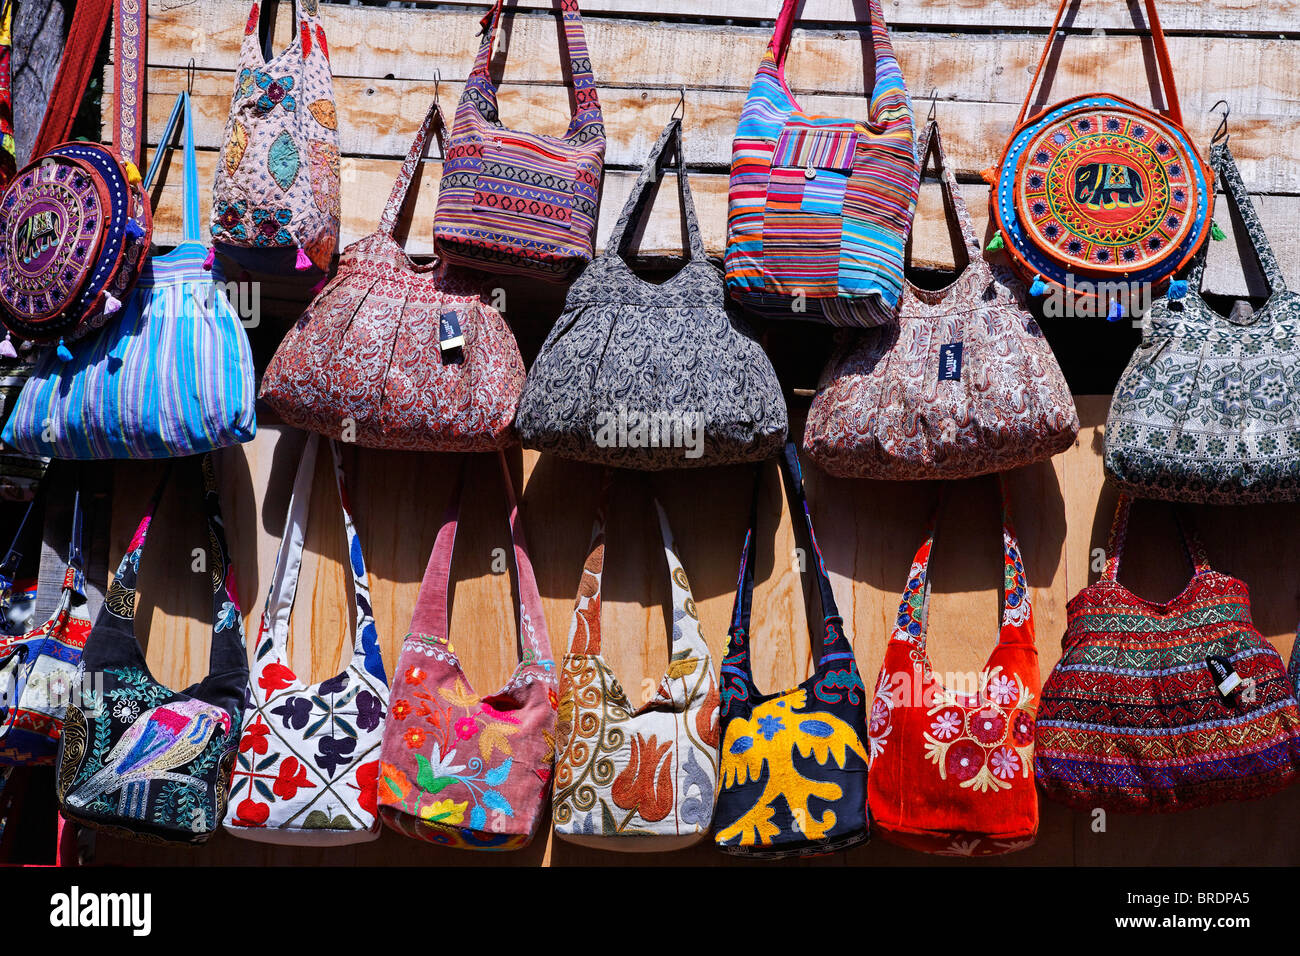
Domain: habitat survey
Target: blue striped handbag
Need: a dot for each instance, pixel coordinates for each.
(173, 375)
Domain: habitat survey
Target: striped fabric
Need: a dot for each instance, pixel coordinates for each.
(820, 208)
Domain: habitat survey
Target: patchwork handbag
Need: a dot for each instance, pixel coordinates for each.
(517, 202)
(171, 375)
(1096, 196)
(952, 768)
(1157, 707)
(399, 355)
(75, 222)
(793, 763)
(1205, 410)
(277, 180)
(308, 758)
(647, 375)
(138, 759)
(820, 207)
(962, 383)
(38, 670)
(630, 777)
(459, 768)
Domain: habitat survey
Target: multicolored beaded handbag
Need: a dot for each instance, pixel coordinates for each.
(1096, 196)
(820, 207)
(952, 769)
(1156, 707)
(794, 763)
(516, 202)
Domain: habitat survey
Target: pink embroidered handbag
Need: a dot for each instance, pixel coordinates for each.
(458, 768)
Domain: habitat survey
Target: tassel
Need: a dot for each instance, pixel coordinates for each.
(7, 349)
(111, 304)
(990, 175)
(1039, 287)
(319, 286)
(209, 259)
(64, 354)
(995, 243)
(134, 229)
(132, 173)
(1217, 234)
(1116, 312)
(302, 263)
(1177, 289)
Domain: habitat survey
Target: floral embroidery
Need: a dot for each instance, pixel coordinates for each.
(228, 217)
(269, 227)
(276, 91)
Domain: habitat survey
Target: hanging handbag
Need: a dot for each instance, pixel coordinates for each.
(138, 759)
(794, 763)
(820, 208)
(75, 222)
(38, 670)
(1160, 707)
(397, 355)
(309, 754)
(1096, 196)
(962, 383)
(627, 777)
(171, 375)
(1204, 411)
(516, 202)
(637, 374)
(277, 181)
(458, 768)
(952, 769)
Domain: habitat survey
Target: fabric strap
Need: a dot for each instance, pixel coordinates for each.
(1119, 533)
(433, 121)
(639, 201)
(180, 112)
(1223, 163)
(934, 142)
(79, 53)
(130, 64)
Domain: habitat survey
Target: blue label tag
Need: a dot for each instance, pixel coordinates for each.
(449, 333)
(950, 362)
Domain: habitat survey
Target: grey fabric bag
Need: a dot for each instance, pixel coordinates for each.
(652, 376)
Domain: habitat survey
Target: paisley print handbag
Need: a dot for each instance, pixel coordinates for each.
(1160, 707)
(820, 207)
(138, 759)
(627, 777)
(398, 355)
(516, 202)
(1097, 196)
(962, 383)
(1205, 410)
(952, 772)
(459, 768)
(647, 375)
(793, 763)
(277, 181)
(309, 755)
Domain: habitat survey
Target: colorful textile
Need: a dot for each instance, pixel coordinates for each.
(20, 475)
(1133, 719)
(309, 755)
(8, 151)
(819, 208)
(952, 770)
(794, 763)
(630, 777)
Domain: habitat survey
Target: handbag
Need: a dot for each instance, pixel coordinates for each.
(138, 759)
(960, 384)
(308, 758)
(819, 207)
(1097, 197)
(952, 768)
(397, 355)
(277, 181)
(171, 375)
(516, 202)
(628, 777)
(1204, 410)
(458, 768)
(75, 222)
(1156, 707)
(646, 375)
(794, 763)
(38, 670)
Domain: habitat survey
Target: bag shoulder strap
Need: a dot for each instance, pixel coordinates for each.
(1223, 163)
(89, 21)
(433, 121)
(584, 628)
(1119, 533)
(934, 142)
(180, 116)
(130, 64)
(638, 202)
(687, 639)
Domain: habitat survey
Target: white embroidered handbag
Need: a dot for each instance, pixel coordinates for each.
(308, 763)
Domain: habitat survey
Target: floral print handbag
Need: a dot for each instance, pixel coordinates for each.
(309, 755)
(793, 763)
(627, 777)
(952, 772)
(459, 768)
(138, 759)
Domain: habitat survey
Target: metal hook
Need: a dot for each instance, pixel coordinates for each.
(1221, 133)
(934, 104)
(679, 111)
(189, 77)
(437, 81)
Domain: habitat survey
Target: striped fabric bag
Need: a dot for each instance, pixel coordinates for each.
(173, 375)
(820, 207)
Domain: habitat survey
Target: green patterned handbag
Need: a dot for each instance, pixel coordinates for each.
(1208, 409)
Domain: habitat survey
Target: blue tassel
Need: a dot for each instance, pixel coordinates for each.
(1177, 289)
(1039, 287)
(134, 229)
(1116, 312)
(65, 355)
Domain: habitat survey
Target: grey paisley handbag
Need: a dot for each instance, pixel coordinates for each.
(651, 376)
(1208, 408)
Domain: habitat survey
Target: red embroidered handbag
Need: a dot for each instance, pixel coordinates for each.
(952, 771)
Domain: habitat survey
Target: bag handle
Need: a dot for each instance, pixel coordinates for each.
(1119, 533)
(130, 65)
(433, 121)
(638, 202)
(89, 20)
(1167, 85)
(74, 577)
(180, 110)
(934, 142)
(1223, 163)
